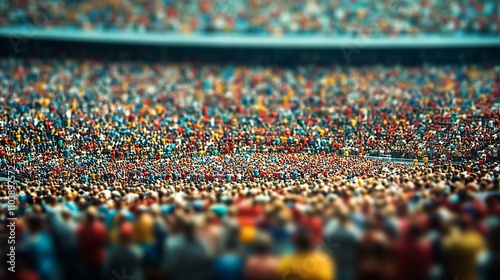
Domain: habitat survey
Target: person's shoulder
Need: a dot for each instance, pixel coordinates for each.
(98, 227)
(321, 255)
(482, 259)
(286, 264)
(286, 259)
(137, 252)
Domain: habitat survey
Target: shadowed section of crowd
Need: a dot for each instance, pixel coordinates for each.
(359, 18)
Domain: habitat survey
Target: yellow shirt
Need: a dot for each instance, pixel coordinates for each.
(353, 122)
(143, 229)
(462, 250)
(311, 265)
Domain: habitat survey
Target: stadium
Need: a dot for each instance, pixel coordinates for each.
(250, 139)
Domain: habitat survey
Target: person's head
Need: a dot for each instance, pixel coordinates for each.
(414, 231)
(464, 222)
(262, 244)
(126, 233)
(66, 215)
(35, 223)
(231, 244)
(91, 214)
(343, 216)
(303, 240)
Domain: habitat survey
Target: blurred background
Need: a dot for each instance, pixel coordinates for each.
(337, 18)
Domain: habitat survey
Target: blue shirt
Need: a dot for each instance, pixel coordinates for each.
(228, 267)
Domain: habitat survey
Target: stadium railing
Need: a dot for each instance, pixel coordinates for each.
(401, 160)
(237, 40)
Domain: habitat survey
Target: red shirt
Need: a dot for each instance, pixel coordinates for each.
(414, 265)
(26, 274)
(91, 238)
(315, 225)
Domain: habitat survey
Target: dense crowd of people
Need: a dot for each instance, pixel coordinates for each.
(339, 17)
(86, 120)
(128, 170)
(398, 221)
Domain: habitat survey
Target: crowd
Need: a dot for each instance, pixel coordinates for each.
(86, 120)
(339, 17)
(128, 170)
(397, 221)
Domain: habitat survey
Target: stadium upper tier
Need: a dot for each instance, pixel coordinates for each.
(337, 18)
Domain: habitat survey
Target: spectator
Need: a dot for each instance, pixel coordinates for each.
(187, 257)
(306, 262)
(463, 248)
(263, 265)
(341, 241)
(91, 239)
(126, 258)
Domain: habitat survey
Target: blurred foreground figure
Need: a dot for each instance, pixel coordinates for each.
(462, 247)
(306, 263)
(374, 255)
(341, 240)
(229, 265)
(39, 249)
(91, 237)
(64, 229)
(489, 262)
(126, 258)
(186, 257)
(263, 265)
(412, 257)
